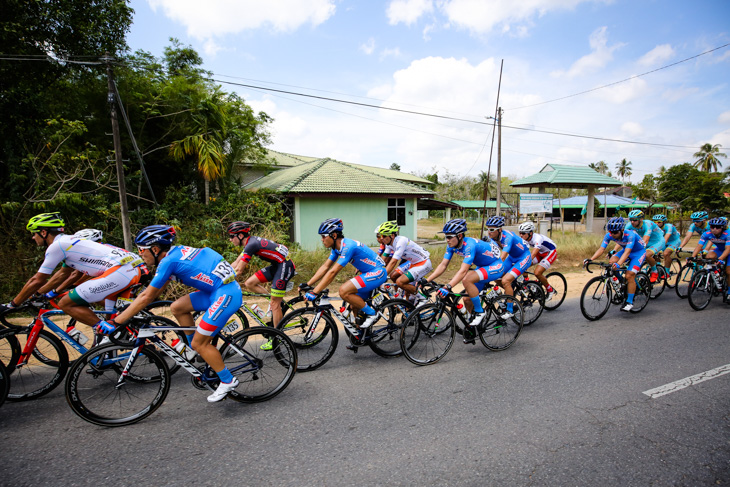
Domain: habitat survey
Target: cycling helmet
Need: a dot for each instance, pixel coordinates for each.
(636, 214)
(455, 226)
(90, 234)
(330, 225)
(661, 217)
(718, 221)
(495, 221)
(48, 221)
(236, 228)
(526, 227)
(699, 216)
(615, 224)
(162, 235)
(388, 228)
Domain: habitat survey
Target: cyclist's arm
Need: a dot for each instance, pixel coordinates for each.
(149, 295)
(60, 280)
(686, 239)
(460, 274)
(598, 253)
(239, 266)
(440, 269)
(624, 257)
(533, 252)
(391, 265)
(33, 284)
(726, 252)
(329, 276)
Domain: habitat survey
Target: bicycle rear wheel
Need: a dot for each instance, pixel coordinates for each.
(315, 351)
(95, 394)
(263, 359)
(560, 285)
(385, 334)
(498, 333)
(686, 273)
(595, 298)
(42, 371)
(643, 292)
(9, 349)
(4, 383)
(657, 288)
(427, 334)
(701, 290)
(532, 300)
(673, 270)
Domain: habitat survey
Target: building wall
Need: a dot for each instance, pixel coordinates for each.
(360, 217)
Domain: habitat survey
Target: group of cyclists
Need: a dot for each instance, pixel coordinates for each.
(96, 272)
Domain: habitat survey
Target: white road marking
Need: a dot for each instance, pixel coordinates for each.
(689, 381)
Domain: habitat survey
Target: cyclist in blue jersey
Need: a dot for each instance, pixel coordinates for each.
(634, 253)
(347, 251)
(483, 254)
(718, 235)
(653, 237)
(672, 238)
(698, 226)
(219, 295)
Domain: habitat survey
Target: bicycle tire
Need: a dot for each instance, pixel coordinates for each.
(295, 303)
(9, 349)
(657, 288)
(498, 334)
(94, 394)
(384, 335)
(675, 267)
(643, 292)
(595, 299)
(262, 372)
(559, 284)
(427, 334)
(315, 352)
(4, 383)
(684, 279)
(19, 317)
(701, 290)
(44, 370)
(532, 300)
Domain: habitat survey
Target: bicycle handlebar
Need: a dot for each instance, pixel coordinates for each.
(604, 265)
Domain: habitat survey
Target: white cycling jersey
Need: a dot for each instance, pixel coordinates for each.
(91, 258)
(543, 244)
(405, 248)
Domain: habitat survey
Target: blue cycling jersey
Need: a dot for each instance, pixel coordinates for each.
(477, 252)
(628, 240)
(203, 269)
(513, 245)
(720, 241)
(649, 228)
(363, 258)
(674, 236)
(699, 230)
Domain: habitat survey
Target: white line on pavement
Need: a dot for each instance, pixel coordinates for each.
(686, 382)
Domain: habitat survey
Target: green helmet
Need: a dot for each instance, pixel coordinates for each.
(388, 228)
(45, 220)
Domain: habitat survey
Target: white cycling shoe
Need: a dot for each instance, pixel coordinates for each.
(222, 391)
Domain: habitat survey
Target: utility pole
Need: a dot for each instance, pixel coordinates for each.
(499, 161)
(126, 231)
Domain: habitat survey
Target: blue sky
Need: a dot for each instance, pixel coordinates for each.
(443, 57)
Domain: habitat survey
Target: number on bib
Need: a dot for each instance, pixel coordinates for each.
(225, 272)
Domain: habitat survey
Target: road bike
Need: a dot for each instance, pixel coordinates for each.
(610, 288)
(428, 333)
(124, 382)
(531, 296)
(706, 283)
(558, 282)
(315, 333)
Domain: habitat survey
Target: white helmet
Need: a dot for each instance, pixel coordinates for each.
(89, 234)
(527, 227)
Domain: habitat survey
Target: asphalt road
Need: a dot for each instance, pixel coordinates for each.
(563, 406)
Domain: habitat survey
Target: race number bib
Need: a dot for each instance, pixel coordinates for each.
(224, 271)
(283, 250)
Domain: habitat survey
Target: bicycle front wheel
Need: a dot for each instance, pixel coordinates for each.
(263, 360)
(385, 333)
(560, 285)
(643, 292)
(315, 350)
(427, 334)
(43, 369)
(657, 288)
(686, 273)
(673, 272)
(701, 290)
(595, 298)
(97, 395)
(500, 330)
(532, 300)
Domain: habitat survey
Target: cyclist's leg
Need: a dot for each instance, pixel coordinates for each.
(357, 289)
(413, 274)
(543, 265)
(183, 307)
(281, 276)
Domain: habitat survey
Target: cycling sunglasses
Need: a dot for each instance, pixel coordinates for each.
(449, 237)
(715, 226)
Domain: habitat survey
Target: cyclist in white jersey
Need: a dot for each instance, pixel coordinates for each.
(544, 252)
(112, 269)
(417, 260)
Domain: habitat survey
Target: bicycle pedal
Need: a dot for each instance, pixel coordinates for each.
(353, 348)
(470, 341)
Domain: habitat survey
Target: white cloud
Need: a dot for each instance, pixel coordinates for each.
(219, 17)
(632, 129)
(600, 56)
(623, 92)
(657, 55)
(369, 47)
(407, 11)
(211, 48)
(388, 52)
(724, 117)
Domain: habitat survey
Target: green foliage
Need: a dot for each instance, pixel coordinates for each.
(683, 184)
(647, 189)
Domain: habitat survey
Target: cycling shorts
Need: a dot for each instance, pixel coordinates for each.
(517, 268)
(364, 283)
(488, 274)
(673, 244)
(656, 245)
(546, 259)
(219, 305)
(635, 261)
(415, 271)
(105, 286)
(279, 275)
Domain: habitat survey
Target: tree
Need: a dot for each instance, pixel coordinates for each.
(623, 169)
(601, 167)
(487, 182)
(646, 189)
(395, 167)
(707, 157)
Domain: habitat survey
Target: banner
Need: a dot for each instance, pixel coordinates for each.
(536, 203)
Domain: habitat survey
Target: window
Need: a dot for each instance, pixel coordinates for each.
(397, 210)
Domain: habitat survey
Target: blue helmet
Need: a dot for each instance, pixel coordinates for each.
(699, 216)
(452, 227)
(636, 214)
(330, 225)
(162, 235)
(718, 221)
(661, 217)
(615, 224)
(495, 221)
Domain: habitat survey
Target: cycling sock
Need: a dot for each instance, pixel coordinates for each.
(550, 288)
(189, 338)
(653, 268)
(368, 310)
(630, 298)
(509, 307)
(477, 305)
(225, 375)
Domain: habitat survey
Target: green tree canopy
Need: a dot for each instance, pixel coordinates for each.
(707, 157)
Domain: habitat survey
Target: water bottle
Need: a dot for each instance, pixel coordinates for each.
(346, 313)
(184, 350)
(76, 335)
(463, 312)
(259, 312)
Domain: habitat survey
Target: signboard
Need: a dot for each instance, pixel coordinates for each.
(536, 203)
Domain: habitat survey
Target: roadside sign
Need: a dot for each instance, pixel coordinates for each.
(536, 203)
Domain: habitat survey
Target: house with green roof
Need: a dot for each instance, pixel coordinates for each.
(362, 196)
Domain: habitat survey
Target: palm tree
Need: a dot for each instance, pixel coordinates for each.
(707, 157)
(623, 169)
(486, 181)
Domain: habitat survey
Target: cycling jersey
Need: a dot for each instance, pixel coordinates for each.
(405, 248)
(674, 237)
(720, 241)
(264, 249)
(360, 256)
(632, 243)
(204, 269)
(477, 252)
(543, 244)
(91, 258)
(649, 228)
(699, 230)
(385, 250)
(513, 245)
